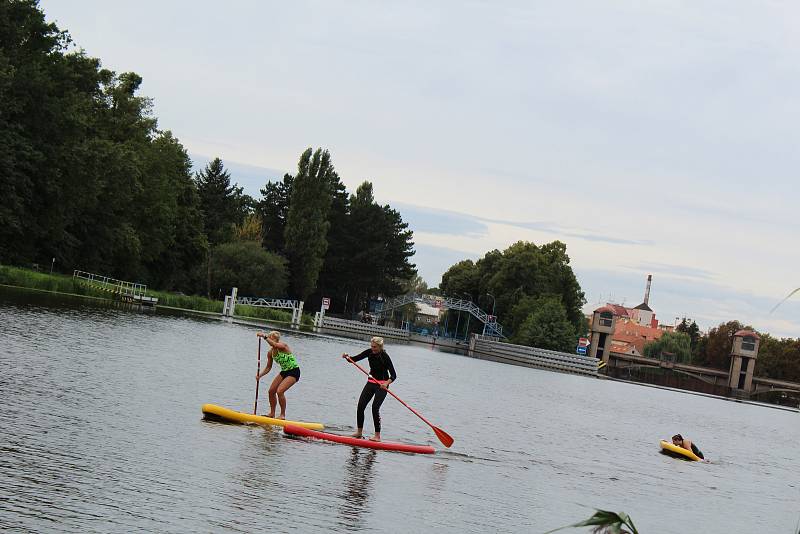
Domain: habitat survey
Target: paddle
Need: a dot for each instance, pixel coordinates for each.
(443, 436)
(255, 406)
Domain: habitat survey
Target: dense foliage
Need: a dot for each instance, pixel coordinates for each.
(672, 346)
(531, 289)
(88, 179)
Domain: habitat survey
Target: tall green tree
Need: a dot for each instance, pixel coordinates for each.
(182, 241)
(224, 205)
(307, 221)
(274, 210)
(334, 277)
(692, 330)
(382, 247)
(714, 349)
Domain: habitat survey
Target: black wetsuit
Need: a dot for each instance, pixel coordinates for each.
(381, 368)
(697, 452)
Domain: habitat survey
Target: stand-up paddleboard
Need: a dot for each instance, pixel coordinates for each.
(212, 411)
(678, 452)
(358, 442)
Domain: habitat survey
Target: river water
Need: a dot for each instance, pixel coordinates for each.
(101, 431)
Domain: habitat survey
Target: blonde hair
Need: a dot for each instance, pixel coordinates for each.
(377, 340)
(275, 334)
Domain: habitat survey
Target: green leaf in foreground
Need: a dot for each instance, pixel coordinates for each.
(605, 522)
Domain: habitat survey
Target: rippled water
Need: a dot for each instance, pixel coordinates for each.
(101, 431)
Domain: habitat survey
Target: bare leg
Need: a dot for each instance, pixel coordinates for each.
(273, 390)
(288, 382)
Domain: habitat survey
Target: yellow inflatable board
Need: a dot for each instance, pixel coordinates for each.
(239, 417)
(675, 450)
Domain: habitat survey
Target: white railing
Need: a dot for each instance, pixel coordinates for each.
(269, 303)
(120, 287)
(232, 300)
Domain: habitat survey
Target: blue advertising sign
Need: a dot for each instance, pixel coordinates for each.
(582, 350)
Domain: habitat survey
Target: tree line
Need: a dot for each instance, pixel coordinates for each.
(88, 178)
(778, 358)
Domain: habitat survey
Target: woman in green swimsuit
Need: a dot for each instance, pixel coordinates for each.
(289, 375)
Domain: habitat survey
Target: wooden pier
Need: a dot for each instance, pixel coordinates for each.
(130, 292)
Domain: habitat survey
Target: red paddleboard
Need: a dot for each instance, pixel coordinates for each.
(358, 442)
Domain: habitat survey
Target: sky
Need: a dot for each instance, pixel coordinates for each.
(651, 137)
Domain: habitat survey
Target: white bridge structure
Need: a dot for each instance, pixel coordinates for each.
(491, 328)
(296, 306)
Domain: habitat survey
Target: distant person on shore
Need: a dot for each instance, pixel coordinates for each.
(382, 370)
(680, 441)
(289, 375)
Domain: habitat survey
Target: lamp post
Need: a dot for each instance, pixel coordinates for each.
(466, 331)
(494, 301)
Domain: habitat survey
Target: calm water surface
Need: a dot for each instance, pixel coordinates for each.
(101, 431)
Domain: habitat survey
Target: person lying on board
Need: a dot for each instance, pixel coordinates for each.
(289, 375)
(680, 441)
(382, 370)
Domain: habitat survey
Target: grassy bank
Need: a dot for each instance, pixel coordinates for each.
(59, 283)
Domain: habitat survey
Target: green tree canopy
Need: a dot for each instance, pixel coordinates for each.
(274, 210)
(674, 345)
(714, 349)
(244, 264)
(516, 278)
(692, 330)
(547, 326)
(778, 358)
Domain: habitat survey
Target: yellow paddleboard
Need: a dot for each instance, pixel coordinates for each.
(239, 417)
(674, 450)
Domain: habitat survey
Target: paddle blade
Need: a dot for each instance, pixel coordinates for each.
(443, 436)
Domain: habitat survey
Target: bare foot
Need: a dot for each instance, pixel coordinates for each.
(282, 416)
(271, 415)
(376, 437)
(357, 435)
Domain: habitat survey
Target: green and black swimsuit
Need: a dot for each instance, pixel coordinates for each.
(288, 363)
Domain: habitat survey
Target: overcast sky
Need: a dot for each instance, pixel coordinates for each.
(651, 137)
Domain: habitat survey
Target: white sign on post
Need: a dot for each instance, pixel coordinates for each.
(326, 303)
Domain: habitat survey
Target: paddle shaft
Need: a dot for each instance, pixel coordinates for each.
(258, 370)
(375, 380)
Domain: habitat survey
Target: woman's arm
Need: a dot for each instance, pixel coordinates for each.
(267, 368)
(390, 367)
(280, 345)
(359, 356)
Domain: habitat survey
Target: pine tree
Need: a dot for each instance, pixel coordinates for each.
(223, 204)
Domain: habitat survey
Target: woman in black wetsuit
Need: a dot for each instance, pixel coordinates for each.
(381, 368)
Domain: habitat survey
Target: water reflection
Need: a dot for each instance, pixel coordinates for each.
(357, 483)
